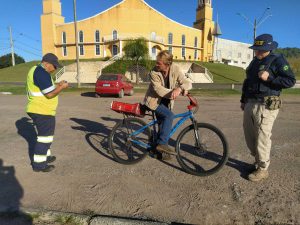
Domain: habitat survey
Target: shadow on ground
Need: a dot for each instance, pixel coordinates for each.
(26, 130)
(10, 194)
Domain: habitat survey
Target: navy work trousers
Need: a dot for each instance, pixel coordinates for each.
(45, 126)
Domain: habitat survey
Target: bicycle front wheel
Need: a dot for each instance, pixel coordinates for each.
(124, 147)
(208, 156)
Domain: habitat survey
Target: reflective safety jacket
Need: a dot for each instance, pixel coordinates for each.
(37, 102)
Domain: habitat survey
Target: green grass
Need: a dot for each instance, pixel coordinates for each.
(291, 91)
(15, 90)
(224, 73)
(19, 72)
(67, 220)
(16, 73)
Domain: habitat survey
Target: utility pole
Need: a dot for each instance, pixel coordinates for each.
(12, 47)
(256, 22)
(76, 44)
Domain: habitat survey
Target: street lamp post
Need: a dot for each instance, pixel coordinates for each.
(76, 43)
(256, 22)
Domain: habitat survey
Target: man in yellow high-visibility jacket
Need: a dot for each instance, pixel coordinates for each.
(42, 96)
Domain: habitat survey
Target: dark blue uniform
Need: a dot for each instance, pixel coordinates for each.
(281, 76)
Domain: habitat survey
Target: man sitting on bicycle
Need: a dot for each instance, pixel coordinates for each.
(166, 83)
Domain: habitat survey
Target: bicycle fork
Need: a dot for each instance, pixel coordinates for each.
(196, 133)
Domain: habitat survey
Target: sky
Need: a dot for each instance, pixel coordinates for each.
(23, 16)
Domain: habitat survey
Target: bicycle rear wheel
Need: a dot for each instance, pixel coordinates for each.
(206, 159)
(123, 147)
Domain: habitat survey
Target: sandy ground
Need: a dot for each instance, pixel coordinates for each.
(88, 180)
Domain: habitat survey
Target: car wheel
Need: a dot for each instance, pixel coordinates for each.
(121, 93)
(97, 95)
(131, 92)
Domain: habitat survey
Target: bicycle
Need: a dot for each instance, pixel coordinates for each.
(201, 148)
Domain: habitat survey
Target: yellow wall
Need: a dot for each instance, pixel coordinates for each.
(131, 18)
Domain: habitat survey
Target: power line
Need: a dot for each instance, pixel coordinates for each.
(29, 37)
(22, 43)
(32, 53)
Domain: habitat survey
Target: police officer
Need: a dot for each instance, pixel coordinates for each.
(42, 96)
(267, 75)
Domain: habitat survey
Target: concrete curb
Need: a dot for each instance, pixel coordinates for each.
(51, 216)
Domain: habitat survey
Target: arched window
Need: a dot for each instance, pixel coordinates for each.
(97, 36)
(114, 50)
(183, 53)
(81, 50)
(115, 35)
(170, 38)
(153, 36)
(97, 49)
(183, 40)
(64, 42)
(81, 36)
(153, 52)
(64, 38)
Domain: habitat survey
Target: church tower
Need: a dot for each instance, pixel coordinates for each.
(204, 22)
(49, 19)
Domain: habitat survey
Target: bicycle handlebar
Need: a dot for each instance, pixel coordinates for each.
(193, 103)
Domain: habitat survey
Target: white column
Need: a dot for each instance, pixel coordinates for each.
(150, 49)
(104, 50)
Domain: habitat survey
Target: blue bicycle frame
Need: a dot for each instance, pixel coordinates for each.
(185, 116)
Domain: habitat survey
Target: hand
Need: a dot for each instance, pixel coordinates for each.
(185, 93)
(263, 75)
(242, 106)
(64, 84)
(176, 92)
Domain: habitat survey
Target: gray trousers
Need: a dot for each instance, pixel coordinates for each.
(258, 123)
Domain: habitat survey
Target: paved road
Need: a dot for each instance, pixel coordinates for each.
(88, 180)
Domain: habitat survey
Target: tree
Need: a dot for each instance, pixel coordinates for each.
(6, 61)
(136, 50)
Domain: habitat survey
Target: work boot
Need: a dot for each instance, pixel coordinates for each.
(164, 148)
(258, 175)
(51, 159)
(48, 168)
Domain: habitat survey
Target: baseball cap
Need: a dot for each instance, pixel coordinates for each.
(51, 58)
(264, 42)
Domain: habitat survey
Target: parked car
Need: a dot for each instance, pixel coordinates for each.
(113, 84)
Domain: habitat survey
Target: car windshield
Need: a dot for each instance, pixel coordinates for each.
(108, 77)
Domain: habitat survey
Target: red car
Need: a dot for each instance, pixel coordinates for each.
(113, 84)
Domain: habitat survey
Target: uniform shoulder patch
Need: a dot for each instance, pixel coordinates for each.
(285, 67)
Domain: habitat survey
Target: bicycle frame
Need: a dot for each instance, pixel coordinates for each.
(184, 116)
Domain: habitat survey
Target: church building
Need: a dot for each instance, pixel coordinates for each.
(105, 34)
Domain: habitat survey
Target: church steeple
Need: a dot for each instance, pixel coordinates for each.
(50, 18)
(201, 3)
(204, 22)
(204, 12)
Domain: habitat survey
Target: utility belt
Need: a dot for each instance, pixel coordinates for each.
(271, 102)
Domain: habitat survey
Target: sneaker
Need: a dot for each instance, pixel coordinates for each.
(48, 168)
(165, 156)
(51, 159)
(164, 148)
(258, 175)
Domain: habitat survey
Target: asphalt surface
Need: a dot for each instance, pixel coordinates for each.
(87, 181)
